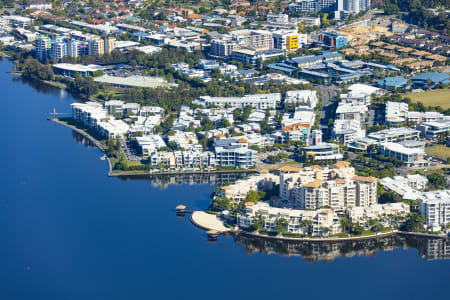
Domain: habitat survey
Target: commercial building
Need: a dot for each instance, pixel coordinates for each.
(323, 151)
(250, 56)
(394, 135)
(288, 40)
(72, 69)
(429, 80)
(409, 152)
(392, 83)
(333, 40)
(432, 130)
(417, 117)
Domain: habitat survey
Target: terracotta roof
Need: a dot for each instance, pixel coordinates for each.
(339, 180)
(195, 16)
(248, 204)
(289, 169)
(226, 187)
(220, 135)
(296, 126)
(341, 164)
(263, 171)
(314, 184)
(365, 179)
(242, 140)
(315, 167)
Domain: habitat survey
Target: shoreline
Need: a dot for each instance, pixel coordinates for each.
(88, 136)
(237, 232)
(112, 173)
(149, 174)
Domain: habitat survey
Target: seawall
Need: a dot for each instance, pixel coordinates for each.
(88, 136)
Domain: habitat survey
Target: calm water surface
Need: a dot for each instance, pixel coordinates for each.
(67, 231)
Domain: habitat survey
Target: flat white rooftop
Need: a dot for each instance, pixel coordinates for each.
(136, 81)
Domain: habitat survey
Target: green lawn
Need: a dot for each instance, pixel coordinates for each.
(439, 151)
(432, 98)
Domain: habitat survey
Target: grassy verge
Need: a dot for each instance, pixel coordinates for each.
(438, 97)
(439, 151)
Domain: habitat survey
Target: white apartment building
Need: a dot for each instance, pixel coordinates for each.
(347, 131)
(396, 113)
(436, 208)
(388, 213)
(150, 143)
(348, 111)
(301, 97)
(223, 48)
(185, 140)
(336, 187)
(324, 221)
(238, 191)
(182, 159)
(235, 155)
(259, 101)
(408, 187)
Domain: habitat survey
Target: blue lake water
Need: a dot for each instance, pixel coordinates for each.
(67, 231)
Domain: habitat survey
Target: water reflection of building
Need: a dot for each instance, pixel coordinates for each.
(163, 181)
(81, 139)
(328, 251)
(435, 249)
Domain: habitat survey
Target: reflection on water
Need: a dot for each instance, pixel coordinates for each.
(327, 251)
(163, 181)
(81, 139)
(40, 86)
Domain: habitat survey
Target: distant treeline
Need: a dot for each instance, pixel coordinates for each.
(419, 13)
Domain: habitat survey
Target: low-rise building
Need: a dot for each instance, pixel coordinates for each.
(394, 135)
(323, 151)
(390, 214)
(409, 152)
(432, 130)
(302, 98)
(150, 143)
(324, 222)
(259, 101)
(230, 153)
(238, 191)
(436, 208)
